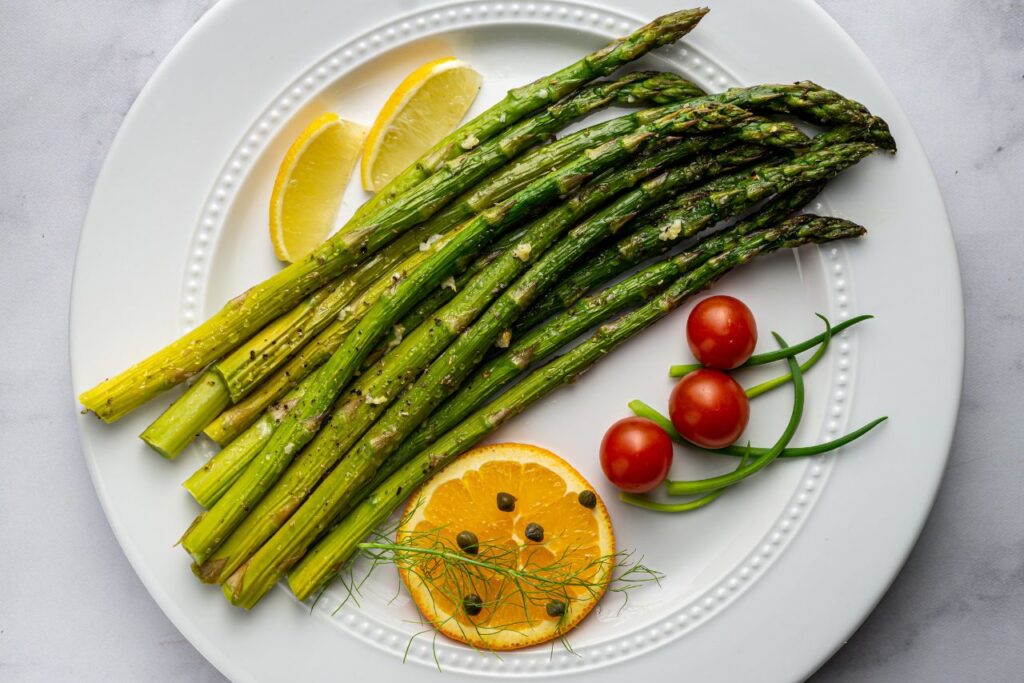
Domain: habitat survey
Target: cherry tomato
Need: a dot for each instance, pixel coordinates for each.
(709, 408)
(636, 454)
(721, 332)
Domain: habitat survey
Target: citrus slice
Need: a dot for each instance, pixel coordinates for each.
(507, 507)
(309, 185)
(424, 108)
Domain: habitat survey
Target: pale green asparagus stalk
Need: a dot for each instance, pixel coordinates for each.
(234, 377)
(406, 203)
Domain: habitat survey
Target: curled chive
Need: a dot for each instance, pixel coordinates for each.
(765, 387)
(690, 505)
(689, 488)
(772, 356)
(641, 409)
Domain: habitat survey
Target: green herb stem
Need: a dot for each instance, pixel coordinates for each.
(689, 488)
(688, 506)
(641, 409)
(772, 356)
(765, 387)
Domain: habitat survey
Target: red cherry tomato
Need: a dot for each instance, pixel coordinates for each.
(636, 454)
(721, 332)
(709, 408)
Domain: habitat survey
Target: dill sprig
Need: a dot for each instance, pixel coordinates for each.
(498, 575)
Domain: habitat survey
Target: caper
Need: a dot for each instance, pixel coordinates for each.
(587, 499)
(556, 608)
(472, 604)
(506, 502)
(535, 532)
(468, 542)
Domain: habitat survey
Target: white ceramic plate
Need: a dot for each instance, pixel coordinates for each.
(765, 584)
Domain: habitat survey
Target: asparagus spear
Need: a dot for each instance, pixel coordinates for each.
(323, 561)
(538, 344)
(356, 414)
(211, 480)
(805, 99)
(763, 132)
(522, 101)
(241, 416)
(233, 377)
(659, 235)
(353, 416)
(444, 376)
(706, 206)
(374, 228)
(305, 419)
(813, 103)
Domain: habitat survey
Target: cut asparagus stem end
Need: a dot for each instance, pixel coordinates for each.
(185, 419)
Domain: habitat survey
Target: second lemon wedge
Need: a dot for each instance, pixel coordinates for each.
(424, 108)
(310, 183)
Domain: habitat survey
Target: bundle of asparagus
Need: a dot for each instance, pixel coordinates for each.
(338, 385)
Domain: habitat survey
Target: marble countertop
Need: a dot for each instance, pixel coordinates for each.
(71, 608)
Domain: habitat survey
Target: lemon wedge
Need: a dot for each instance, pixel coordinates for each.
(310, 183)
(424, 108)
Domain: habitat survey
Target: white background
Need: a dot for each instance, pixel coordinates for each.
(70, 605)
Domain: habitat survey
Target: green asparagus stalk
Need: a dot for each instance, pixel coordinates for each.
(184, 419)
(233, 376)
(525, 100)
(540, 343)
(354, 416)
(660, 235)
(214, 478)
(241, 416)
(804, 99)
(305, 419)
(321, 563)
(242, 370)
(813, 103)
(359, 411)
(211, 480)
(375, 227)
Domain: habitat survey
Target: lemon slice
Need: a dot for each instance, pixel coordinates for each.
(526, 510)
(424, 108)
(309, 185)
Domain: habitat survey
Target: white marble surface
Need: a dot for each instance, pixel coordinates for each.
(72, 609)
